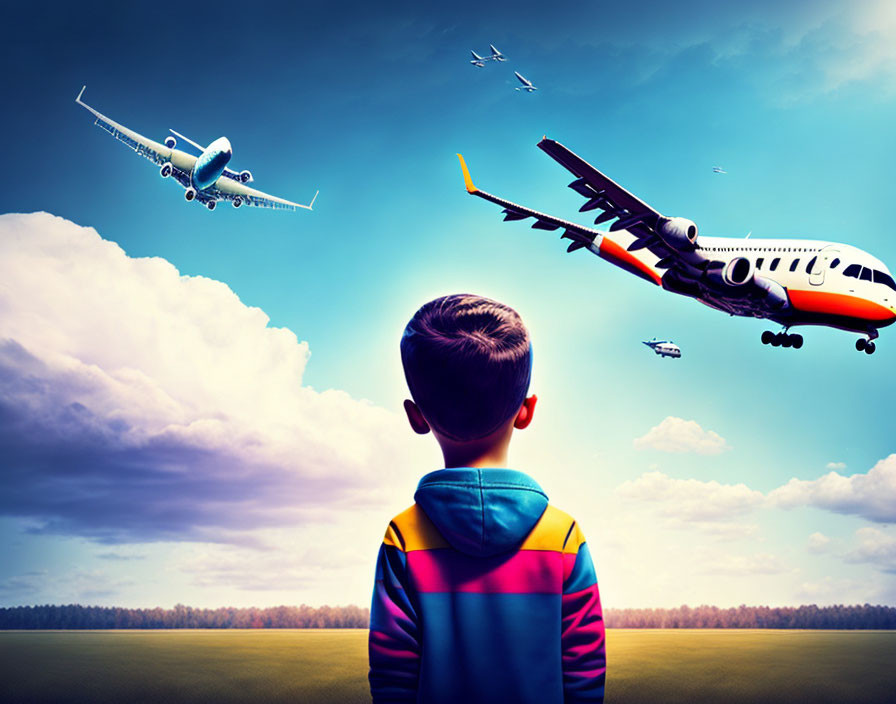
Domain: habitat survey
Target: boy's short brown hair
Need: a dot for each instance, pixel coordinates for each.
(468, 361)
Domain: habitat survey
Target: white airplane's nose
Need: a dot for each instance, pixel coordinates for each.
(221, 144)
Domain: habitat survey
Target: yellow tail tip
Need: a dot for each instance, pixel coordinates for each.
(468, 182)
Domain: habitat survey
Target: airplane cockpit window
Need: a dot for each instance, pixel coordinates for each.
(835, 263)
(852, 270)
(885, 279)
(866, 274)
(774, 264)
(811, 264)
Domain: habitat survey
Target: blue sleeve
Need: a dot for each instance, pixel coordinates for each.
(394, 643)
(582, 637)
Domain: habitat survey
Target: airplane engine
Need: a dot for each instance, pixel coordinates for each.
(775, 293)
(736, 272)
(166, 169)
(170, 142)
(190, 193)
(237, 202)
(678, 233)
(246, 176)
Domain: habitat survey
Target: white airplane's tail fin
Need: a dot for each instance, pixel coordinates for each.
(495, 52)
(187, 140)
(311, 204)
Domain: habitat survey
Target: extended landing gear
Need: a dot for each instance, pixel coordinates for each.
(866, 346)
(782, 339)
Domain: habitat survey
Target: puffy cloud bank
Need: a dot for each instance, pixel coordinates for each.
(679, 435)
(871, 495)
(139, 404)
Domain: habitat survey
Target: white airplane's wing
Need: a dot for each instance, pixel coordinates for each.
(523, 80)
(187, 140)
(495, 52)
(477, 56)
(235, 191)
(152, 150)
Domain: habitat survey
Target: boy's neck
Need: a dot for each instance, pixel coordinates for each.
(490, 451)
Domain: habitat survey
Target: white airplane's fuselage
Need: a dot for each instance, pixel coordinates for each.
(821, 282)
(664, 348)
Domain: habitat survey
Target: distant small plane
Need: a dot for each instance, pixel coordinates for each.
(206, 177)
(527, 84)
(718, 170)
(664, 348)
(480, 60)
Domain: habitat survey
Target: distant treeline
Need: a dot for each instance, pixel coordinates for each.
(75, 616)
(812, 616)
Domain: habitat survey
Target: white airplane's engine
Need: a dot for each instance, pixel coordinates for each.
(170, 142)
(246, 176)
(678, 233)
(237, 202)
(166, 169)
(736, 272)
(190, 193)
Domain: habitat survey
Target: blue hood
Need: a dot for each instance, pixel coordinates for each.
(481, 512)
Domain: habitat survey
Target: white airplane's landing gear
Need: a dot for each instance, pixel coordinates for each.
(782, 339)
(190, 194)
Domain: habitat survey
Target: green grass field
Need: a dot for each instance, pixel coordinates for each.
(655, 666)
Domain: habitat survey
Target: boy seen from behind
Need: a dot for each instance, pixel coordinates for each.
(484, 592)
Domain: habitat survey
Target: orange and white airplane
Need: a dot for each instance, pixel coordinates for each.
(788, 281)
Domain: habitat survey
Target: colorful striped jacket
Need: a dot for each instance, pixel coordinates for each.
(485, 593)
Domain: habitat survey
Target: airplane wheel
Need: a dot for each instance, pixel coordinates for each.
(776, 340)
(870, 347)
(786, 340)
(796, 341)
(861, 343)
(767, 336)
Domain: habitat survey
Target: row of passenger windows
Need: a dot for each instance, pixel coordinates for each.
(865, 274)
(793, 265)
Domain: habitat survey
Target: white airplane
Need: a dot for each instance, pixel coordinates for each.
(206, 177)
(480, 60)
(664, 348)
(788, 281)
(718, 170)
(527, 84)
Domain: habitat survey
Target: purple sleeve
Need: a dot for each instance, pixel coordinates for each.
(582, 633)
(394, 645)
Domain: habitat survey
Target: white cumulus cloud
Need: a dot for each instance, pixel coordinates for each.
(140, 404)
(679, 435)
(871, 495)
(692, 499)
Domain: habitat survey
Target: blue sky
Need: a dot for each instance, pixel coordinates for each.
(369, 104)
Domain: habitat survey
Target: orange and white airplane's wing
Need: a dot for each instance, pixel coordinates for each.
(608, 247)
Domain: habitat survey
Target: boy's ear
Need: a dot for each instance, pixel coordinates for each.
(415, 418)
(526, 412)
